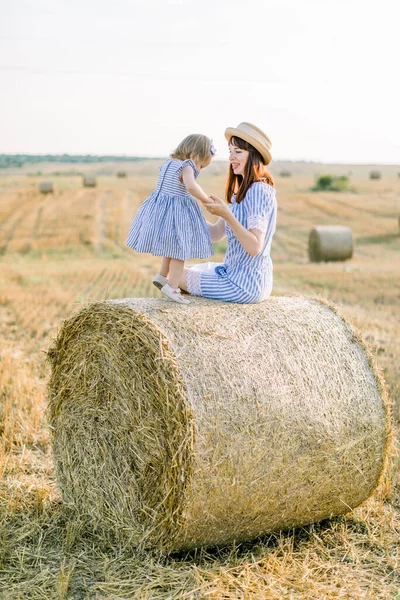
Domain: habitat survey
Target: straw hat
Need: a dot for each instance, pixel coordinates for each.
(254, 136)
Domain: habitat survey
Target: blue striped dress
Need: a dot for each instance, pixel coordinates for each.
(170, 222)
(241, 278)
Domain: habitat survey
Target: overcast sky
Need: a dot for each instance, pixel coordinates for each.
(321, 77)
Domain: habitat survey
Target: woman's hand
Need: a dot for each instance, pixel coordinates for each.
(216, 206)
(252, 240)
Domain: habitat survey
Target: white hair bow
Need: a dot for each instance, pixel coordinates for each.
(213, 149)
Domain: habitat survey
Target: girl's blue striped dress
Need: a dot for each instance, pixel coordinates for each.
(170, 222)
(241, 278)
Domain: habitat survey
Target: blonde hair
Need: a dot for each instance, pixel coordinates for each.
(193, 146)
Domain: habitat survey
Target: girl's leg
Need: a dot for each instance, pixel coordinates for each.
(183, 280)
(175, 275)
(175, 272)
(165, 266)
(161, 278)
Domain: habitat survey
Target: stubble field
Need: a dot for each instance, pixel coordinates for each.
(61, 250)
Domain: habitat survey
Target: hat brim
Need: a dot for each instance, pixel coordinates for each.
(233, 132)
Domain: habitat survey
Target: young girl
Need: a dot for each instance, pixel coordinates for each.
(170, 222)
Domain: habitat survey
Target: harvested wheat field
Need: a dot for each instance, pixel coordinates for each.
(60, 252)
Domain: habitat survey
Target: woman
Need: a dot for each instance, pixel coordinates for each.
(249, 221)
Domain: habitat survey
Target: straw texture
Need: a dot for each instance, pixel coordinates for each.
(330, 242)
(46, 187)
(177, 427)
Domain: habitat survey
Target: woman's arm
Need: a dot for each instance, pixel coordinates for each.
(252, 240)
(190, 183)
(217, 230)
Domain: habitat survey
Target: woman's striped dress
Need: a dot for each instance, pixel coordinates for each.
(170, 222)
(241, 278)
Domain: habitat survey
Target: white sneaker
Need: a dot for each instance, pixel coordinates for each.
(159, 281)
(174, 294)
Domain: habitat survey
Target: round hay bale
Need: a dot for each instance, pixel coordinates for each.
(183, 427)
(89, 181)
(375, 175)
(46, 187)
(330, 242)
(121, 173)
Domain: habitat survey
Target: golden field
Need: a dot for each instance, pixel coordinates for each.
(60, 250)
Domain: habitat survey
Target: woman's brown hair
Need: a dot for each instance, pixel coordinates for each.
(254, 170)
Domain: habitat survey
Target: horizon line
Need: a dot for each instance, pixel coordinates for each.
(130, 157)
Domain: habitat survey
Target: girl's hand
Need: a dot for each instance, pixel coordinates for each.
(216, 206)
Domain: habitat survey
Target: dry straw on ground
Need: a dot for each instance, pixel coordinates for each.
(46, 187)
(330, 242)
(89, 181)
(177, 427)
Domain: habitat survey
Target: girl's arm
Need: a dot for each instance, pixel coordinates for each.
(252, 240)
(192, 187)
(217, 230)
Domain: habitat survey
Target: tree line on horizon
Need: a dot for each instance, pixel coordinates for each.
(19, 160)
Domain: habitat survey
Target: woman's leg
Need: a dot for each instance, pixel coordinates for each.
(209, 283)
(194, 273)
(191, 276)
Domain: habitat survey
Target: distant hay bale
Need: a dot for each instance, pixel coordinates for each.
(285, 173)
(375, 175)
(121, 173)
(46, 187)
(89, 181)
(330, 242)
(183, 427)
